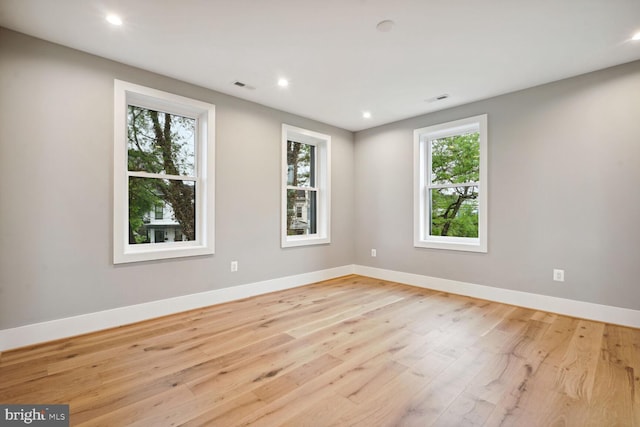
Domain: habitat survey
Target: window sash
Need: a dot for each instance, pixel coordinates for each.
(428, 217)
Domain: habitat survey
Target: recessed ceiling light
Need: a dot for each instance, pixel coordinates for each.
(636, 36)
(283, 82)
(366, 114)
(385, 26)
(114, 20)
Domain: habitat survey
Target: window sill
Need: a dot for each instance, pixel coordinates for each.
(169, 250)
(294, 241)
(453, 244)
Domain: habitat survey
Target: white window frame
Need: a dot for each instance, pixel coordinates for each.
(322, 143)
(126, 94)
(422, 185)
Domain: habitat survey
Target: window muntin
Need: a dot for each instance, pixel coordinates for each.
(163, 177)
(305, 187)
(451, 185)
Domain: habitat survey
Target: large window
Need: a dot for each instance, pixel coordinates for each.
(163, 175)
(450, 189)
(306, 193)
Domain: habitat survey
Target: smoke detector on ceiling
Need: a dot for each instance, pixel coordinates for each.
(385, 26)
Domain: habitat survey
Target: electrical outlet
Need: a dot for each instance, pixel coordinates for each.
(373, 253)
(558, 275)
(234, 266)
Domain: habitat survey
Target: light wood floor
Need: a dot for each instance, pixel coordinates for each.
(350, 351)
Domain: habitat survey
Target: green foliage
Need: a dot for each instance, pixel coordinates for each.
(142, 199)
(455, 159)
(454, 210)
(160, 143)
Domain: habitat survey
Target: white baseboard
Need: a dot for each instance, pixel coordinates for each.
(92, 322)
(82, 324)
(573, 308)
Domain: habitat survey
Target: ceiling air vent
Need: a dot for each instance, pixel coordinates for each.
(438, 98)
(244, 85)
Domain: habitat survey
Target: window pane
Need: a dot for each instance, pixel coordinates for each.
(454, 211)
(301, 212)
(301, 164)
(160, 142)
(455, 159)
(159, 211)
(175, 200)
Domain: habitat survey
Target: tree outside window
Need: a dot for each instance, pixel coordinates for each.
(161, 144)
(455, 160)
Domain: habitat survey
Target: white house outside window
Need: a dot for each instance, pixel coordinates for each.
(306, 190)
(450, 185)
(163, 174)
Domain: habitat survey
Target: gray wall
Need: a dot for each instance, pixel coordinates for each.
(564, 192)
(56, 145)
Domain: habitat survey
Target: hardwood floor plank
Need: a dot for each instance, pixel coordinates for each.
(617, 379)
(538, 388)
(466, 410)
(349, 351)
(578, 369)
(129, 390)
(373, 375)
(127, 414)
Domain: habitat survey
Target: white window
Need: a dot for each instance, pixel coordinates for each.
(450, 185)
(306, 188)
(163, 174)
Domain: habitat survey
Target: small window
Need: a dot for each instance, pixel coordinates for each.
(163, 174)
(305, 187)
(159, 211)
(450, 194)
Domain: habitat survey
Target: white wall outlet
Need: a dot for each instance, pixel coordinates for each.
(558, 275)
(374, 253)
(234, 266)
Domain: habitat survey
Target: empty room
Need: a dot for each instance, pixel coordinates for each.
(319, 213)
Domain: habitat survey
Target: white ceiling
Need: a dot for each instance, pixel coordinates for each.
(338, 64)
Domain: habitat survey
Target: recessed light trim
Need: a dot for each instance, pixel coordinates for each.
(366, 114)
(636, 36)
(282, 82)
(114, 20)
